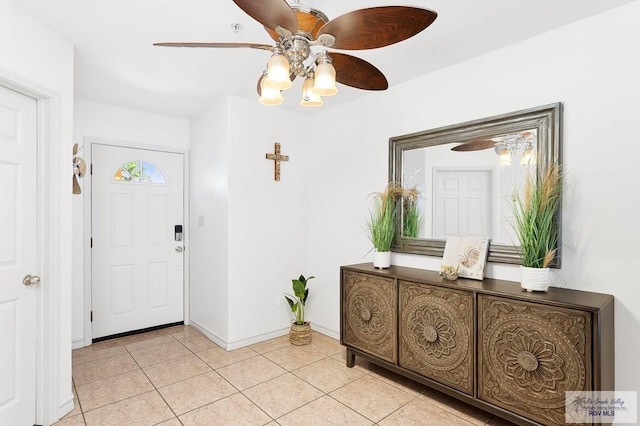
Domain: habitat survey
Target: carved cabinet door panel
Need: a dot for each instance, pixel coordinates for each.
(530, 355)
(436, 334)
(369, 314)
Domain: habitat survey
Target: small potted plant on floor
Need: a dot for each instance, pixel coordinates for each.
(381, 226)
(536, 224)
(300, 333)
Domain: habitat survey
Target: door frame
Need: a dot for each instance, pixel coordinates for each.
(88, 142)
(51, 197)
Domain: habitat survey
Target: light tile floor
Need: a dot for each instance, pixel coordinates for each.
(176, 376)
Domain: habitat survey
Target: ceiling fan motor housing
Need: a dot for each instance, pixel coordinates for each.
(309, 22)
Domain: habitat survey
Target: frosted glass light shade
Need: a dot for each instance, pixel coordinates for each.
(278, 72)
(309, 97)
(269, 95)
(528, 157)
(325, 83)
(505, 157)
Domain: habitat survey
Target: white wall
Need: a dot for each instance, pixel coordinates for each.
(129, 125)
(209, 234)
(253, 241)
(39, 59)
(592, 67)
(112, 123)
(267, 219)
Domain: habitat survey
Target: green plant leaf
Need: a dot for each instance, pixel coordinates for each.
(298, 288)
(291, 303)
(535, 217)
(381, 226)
(296, 303)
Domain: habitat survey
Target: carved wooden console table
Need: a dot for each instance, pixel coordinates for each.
(488, 343)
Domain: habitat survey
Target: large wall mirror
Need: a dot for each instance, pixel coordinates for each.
(467, 175)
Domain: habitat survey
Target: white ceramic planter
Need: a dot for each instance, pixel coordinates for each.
(535, 279)
(381, 259)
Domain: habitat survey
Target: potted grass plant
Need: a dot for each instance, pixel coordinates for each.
(536, 225)
(411, 215)
(381, 226)
(300, 332)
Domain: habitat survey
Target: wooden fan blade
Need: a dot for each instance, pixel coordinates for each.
(216, 45)
(75, 149)
(377, 26)
(76, 186)
(358, 73)
(477, 145)
(270, 13)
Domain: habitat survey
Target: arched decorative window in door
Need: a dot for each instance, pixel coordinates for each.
(139, 172)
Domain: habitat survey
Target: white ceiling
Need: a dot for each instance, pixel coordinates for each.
(116, 63)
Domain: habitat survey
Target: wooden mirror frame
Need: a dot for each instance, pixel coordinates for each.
(547, 119)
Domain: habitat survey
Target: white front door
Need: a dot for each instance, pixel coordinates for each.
(18, 257)
(462, 203)
(136, 262)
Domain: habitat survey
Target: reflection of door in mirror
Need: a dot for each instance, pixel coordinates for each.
(462, 203)
(419, 168)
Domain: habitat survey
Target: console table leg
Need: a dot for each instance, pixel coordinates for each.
(351, 358)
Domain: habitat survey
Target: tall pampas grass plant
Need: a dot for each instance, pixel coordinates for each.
(381, 227)
(535, 217)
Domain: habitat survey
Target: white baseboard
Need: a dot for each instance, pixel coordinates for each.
(327, 332)
(208, 333)
(255, 339)
(65, 408)
(77, 344)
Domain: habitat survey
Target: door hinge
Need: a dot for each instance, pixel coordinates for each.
(91, 243)
(90, 168)
(91, 316)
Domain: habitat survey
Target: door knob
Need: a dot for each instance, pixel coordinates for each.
(30, 280)
(179, 249)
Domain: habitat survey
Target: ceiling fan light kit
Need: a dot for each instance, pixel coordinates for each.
(506, 146)
(298, 28)
(325, 83)
(269, 95)
(309, 97)
(278, 70)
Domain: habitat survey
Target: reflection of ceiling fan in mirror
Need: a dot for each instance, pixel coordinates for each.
(297, 28)
(505, 146)
(525, 138)
(475, 145)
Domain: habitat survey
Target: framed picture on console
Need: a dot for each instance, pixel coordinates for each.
(469, 253)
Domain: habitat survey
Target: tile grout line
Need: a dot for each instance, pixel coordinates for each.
(325, 357)
(263, 355)
(133, 396)
(75, 390)
(415, 394)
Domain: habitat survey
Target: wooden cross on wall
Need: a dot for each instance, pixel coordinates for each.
(277, 158)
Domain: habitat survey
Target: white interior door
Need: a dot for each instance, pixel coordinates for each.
(18, 257)
(136, 263)
(462, 203)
